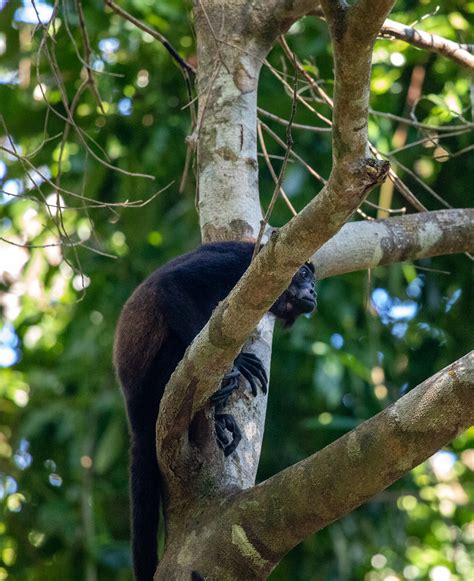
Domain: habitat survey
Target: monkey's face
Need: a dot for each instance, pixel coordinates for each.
(301, 294)
(299, 298)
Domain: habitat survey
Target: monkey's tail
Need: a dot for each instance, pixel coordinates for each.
(145, 486)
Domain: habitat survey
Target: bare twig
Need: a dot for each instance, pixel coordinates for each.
(417, 124)
(284, 122)
(94, 203)
(423, 184)
(390, 210)
(87, 55)
(433, 139)
(399, 184)
(190, 70)
(217, 41)
(271, 170)
(63, 243)
(400, 134)
(293, 154)
(288, 149)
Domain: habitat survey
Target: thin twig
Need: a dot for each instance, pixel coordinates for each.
(214, 35)
(389, 210)
(87, 55)
(424, 185)
(154, 33)
(289, 146)
(417, 124)
(306, 165)
(284, 122)
(271, 170)
(429, 139)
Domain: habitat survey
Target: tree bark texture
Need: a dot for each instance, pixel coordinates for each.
(373, 243)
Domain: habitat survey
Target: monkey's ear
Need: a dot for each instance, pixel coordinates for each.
(310, 265)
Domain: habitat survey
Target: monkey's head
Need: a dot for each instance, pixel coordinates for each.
(299, 298)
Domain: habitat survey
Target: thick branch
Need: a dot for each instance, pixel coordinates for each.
(274, 17)
(459, 53)
(353, 32)
(313, 493)
(361, 245)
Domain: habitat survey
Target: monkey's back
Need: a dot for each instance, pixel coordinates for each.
(141, 331)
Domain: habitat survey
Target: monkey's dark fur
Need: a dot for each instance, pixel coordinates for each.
(157, 324)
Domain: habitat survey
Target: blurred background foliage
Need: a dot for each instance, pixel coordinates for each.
(63, 431)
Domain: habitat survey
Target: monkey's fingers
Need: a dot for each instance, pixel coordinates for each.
(256, 371)
(221, 436)
(234, 372)
(255, 365)
(249, 356)
(233, 445)
(250, 378)
(229, 384)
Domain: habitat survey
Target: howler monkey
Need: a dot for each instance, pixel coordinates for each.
(157, 324)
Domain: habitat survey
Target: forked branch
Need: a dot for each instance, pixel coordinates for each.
(322, 488)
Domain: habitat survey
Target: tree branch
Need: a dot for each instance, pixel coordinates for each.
(459, 53)
(322, 488)
(353, 32)
(367, 244)
(232, 44)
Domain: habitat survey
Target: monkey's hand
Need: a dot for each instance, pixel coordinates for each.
(251, 367)
(246, 365)
(227, 422)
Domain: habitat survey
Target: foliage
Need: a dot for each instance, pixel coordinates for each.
(63, 445)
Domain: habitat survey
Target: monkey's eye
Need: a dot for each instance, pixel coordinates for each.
(304, 273)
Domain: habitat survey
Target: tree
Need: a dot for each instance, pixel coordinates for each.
(227, 527)
(244, 541)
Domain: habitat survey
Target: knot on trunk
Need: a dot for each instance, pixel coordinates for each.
(376, 171)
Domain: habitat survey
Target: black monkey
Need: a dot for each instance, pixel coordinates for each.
(157, 324)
